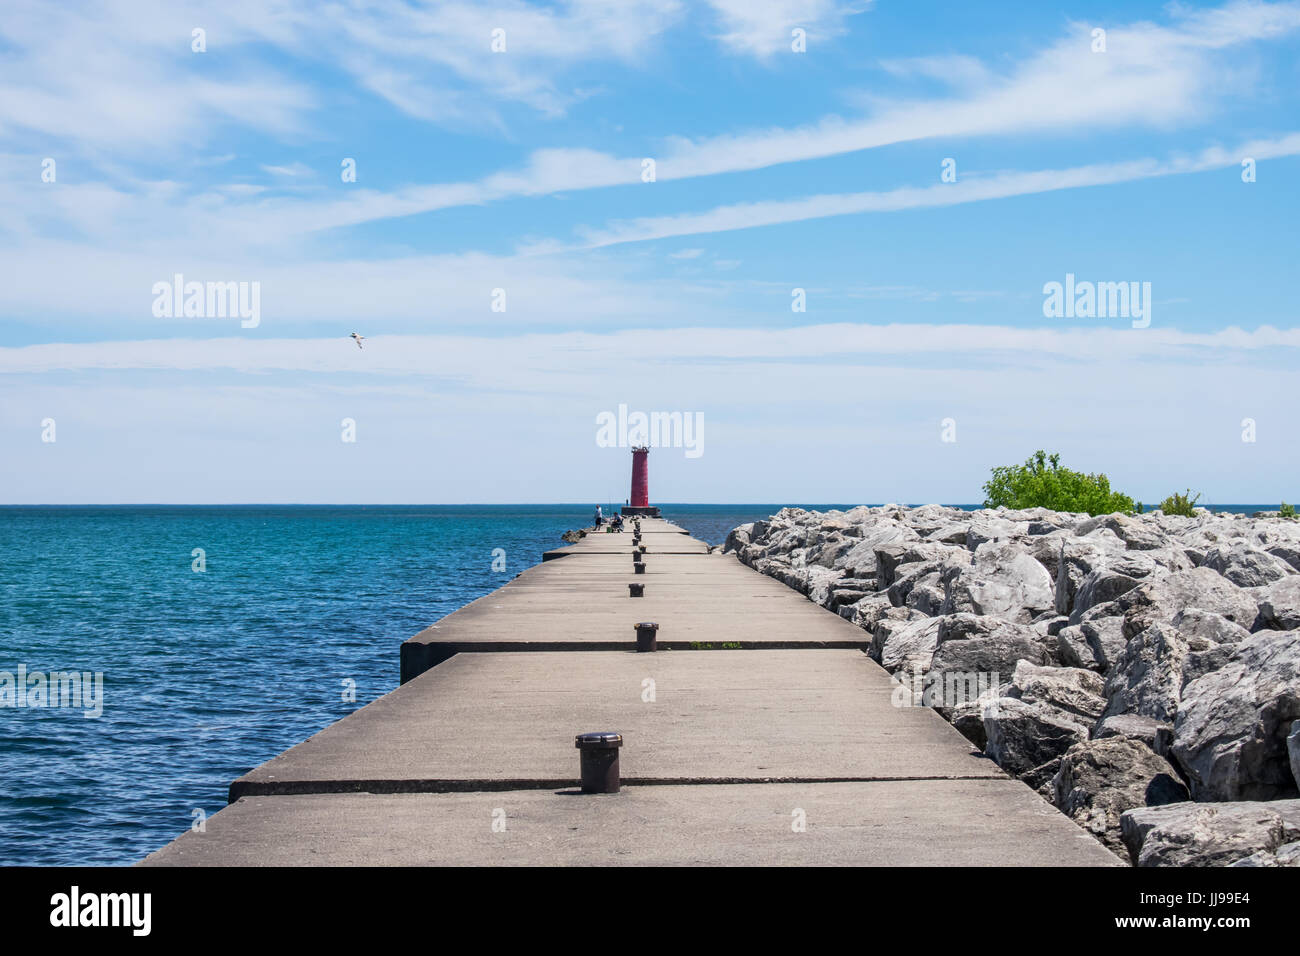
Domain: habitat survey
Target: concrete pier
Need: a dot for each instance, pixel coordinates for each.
(758, 733)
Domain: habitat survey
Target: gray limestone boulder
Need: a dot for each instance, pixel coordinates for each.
(1137, 534)
(1208, 834)
(1147, 678)
(1245, 566)
(969, 643)
(1079, 557)
(1002, 580)
(1074, 691)
(1155, 735)
(1230, 735)
(1288, 855)
(906, 646)
(1164, 598)
(1279, 605)
(1098, 780)
(1195, 623)
(1022, 737)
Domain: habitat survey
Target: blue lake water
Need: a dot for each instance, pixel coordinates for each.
(206, 675)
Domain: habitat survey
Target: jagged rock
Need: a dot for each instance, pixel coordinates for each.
(1073, 649)
(1022, 736)
(576, 534)
(967, 643)
(1288, 855)
(1137, 535)
(927, 596)
(1078, 558)
(817, 582)
(874, 608)
(1001, 581)
(1279, 605)
(1050, 624)
(906, 645)
(919, 574)
(1287, 551)
(1161, 600)
(828, 552)
(861, 558)
(1230, 733)
(1106, 583)
(988, 527)
(1147, 677)
(890, 558)
(1099, 779)
(1155, 734)
(1073, 690)
(1208, 834)
(1193, 623)
(1204, 661)
(951, 533)
(1245, 566)
(738, 538)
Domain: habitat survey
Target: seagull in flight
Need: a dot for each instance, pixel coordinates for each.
(358, 339)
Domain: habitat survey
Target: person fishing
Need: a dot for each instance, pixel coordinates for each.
(599, 517)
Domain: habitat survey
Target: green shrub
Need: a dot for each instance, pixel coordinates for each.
(1041, 482)
(1177, 504)
(1286, 511)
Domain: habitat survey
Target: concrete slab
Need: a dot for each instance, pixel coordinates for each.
(908, 823)
(585, 606)
(494, 721)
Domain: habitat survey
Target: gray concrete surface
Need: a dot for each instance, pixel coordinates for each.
(905, 823)
(581, 602)
(720, 715)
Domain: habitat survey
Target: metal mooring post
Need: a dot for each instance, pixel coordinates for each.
(647, 636)
(598, 757)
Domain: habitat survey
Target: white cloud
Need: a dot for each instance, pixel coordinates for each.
(762, 28)
(1152, 76)
(124, 76)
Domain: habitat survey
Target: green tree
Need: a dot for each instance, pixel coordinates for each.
(1041, 482)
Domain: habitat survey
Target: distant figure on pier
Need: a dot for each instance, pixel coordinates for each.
(599, 517)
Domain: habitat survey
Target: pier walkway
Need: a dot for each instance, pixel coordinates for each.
(758, 733)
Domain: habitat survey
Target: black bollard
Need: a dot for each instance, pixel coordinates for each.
(598, 759)
(647, 636)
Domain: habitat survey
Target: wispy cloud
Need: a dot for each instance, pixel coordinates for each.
(973, 187)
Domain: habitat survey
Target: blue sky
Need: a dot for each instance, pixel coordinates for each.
(521, 170)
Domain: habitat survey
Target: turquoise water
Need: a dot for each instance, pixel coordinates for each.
(206, 675)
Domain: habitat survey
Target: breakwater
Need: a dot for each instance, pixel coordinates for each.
(757, 732)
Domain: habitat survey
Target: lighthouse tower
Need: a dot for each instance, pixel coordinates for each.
(639, 500)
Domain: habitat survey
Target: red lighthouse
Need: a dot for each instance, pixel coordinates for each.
(639, 501)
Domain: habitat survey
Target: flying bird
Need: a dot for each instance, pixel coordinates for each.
(358, 339)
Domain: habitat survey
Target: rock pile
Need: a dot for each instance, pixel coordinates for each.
(1140, 672)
